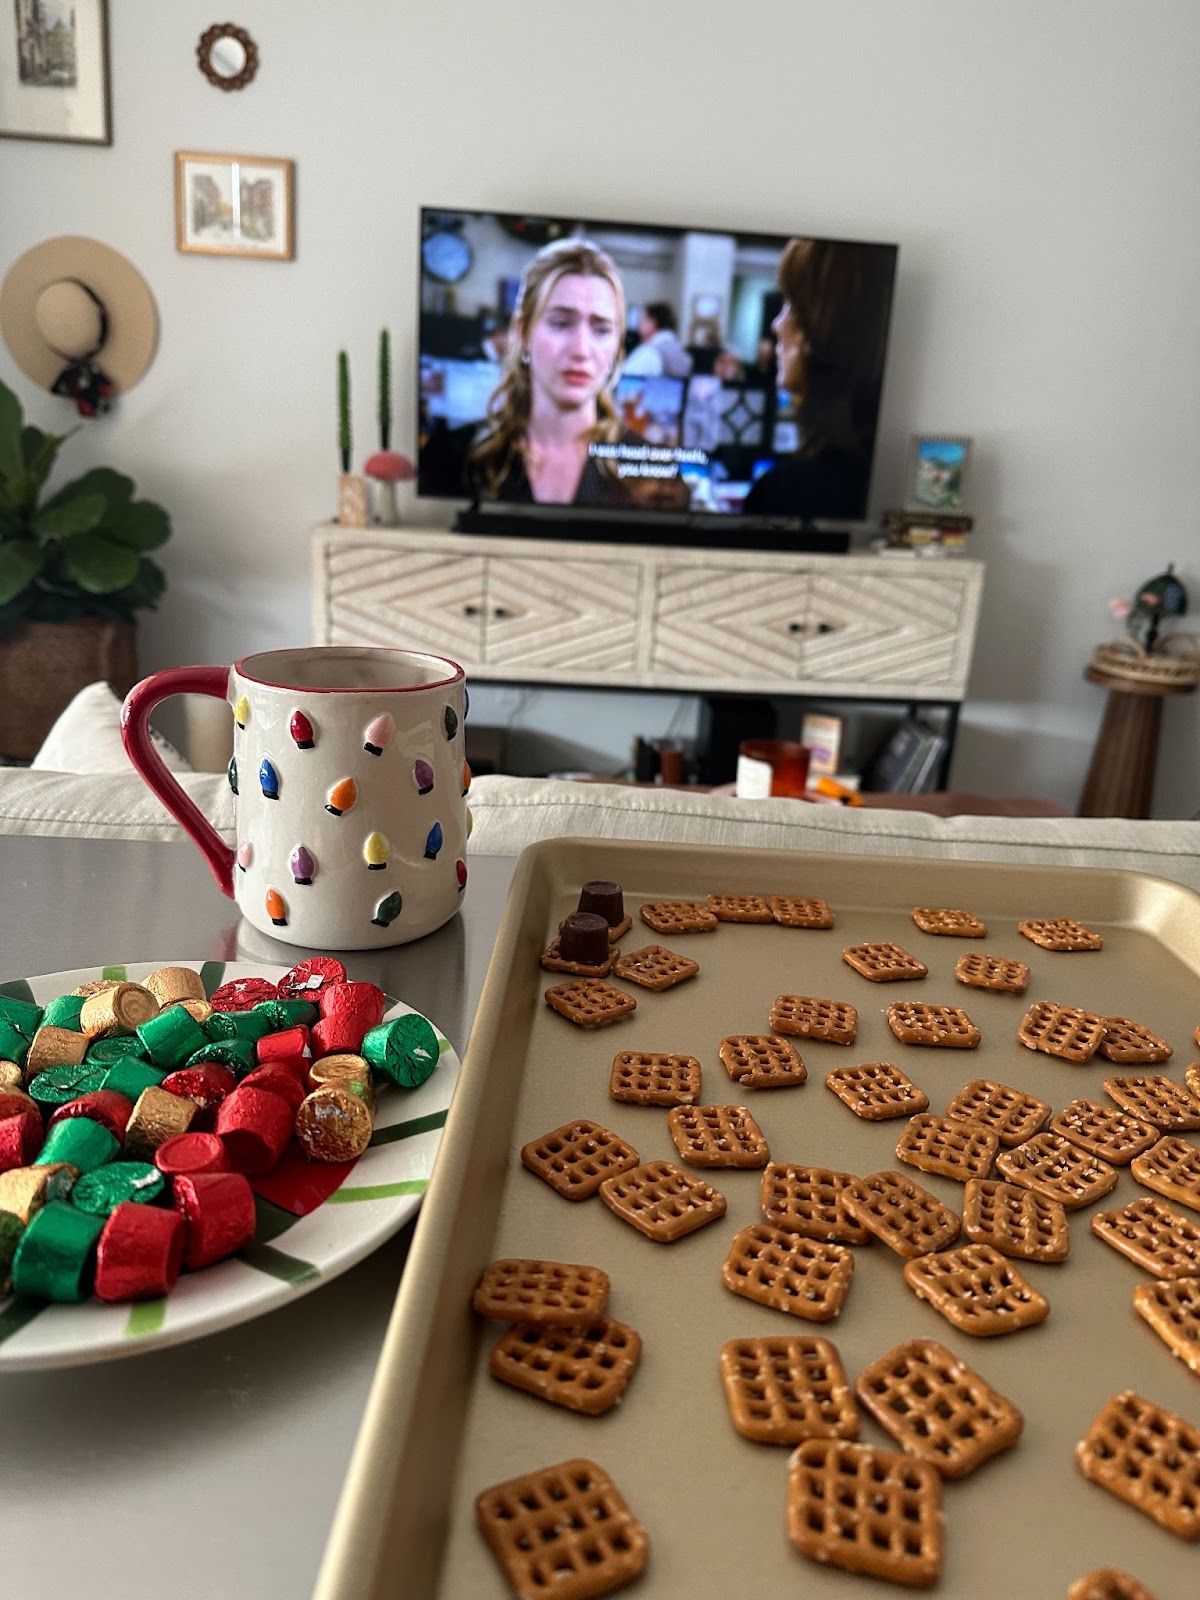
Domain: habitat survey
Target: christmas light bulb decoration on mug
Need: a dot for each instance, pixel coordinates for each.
(350, 821)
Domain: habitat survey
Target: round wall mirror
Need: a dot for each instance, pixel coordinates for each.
(227, 56)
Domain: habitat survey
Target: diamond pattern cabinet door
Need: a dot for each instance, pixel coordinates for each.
(562, 618)
(727, 627)
(900, 633)
(411, 599)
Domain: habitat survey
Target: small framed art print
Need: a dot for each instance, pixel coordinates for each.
(937, 472)
(54, 71)
(234, 205)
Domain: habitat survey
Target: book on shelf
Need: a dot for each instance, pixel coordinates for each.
(908, 762)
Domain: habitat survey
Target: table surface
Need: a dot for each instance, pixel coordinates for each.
(211, 1469)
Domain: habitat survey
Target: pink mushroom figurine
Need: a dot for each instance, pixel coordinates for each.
(387, 468)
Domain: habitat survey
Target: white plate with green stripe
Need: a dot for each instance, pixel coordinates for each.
(290, 1255)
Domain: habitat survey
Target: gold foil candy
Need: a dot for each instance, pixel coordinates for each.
(11, 1075)
(54, 1047)
(120, 1009)
(157, 1117)
(337, 1068)
(96, 986)
(25, 1190)
(198, 1010)
(172, 984)
(334, 1124)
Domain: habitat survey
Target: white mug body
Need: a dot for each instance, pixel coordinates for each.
(349, 771)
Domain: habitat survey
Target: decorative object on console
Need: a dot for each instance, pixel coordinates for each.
(54, 76)
(79, 319)
(73, 573)
(227, 56)
(937, 472)
(234, 205)
(352, 491)
(387, 467)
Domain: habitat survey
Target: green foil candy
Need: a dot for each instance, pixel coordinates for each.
(11, 1229)
(171, 1037)
(57, 1085)
(236, 1054)
(130, 1076)
(284, 1014)
(56, 1258)
(250, 1025)
(105, 1052)
(102, 1191)
(14, 1046)
(218, 1026)
(24, 1015)
(404, 1051)
(64, 1012)
(80, 1141)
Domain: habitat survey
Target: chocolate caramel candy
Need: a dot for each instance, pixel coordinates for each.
(121, 1009)
(157, 1117)
(54, 1047)
(139, 1253)
(11, 1076)
(171, 984)
(55, 1259)
(604, 899)
(334, 1124)
(218, 1208)
(583, 938)
(254, 1125)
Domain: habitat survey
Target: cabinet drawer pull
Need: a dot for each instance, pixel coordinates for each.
(796, 627)
(470, 611)
(826, 627)
(500, 613)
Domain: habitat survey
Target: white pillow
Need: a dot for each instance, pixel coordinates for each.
(87, 737)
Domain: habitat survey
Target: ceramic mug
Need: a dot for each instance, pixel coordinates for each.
(350, 776)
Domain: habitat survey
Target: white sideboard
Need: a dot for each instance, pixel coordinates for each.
(653, 617)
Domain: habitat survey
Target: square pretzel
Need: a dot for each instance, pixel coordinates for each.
(877, 1091)
(677, 916)
(949, 924)
(590, 1002)
(717, 1136)
(865, 1510)
(655, 967)
(980, 971)
(1131, 1043)
(808, 1278)
(1148, 1233)
(1017, 1222)
(783, 1390)
(1171, 1168)
(977, 1290)
(938, 1027)
(1173, 1311)
(1060, 933)
(761, 1061)
(1156, 1099)
(1148, 1457)
(739, 908)
(830, 1021)
(662, 1201)
(576, 1158)
(1011, 1114)
(569, 1521)
(552, 961)
(584, 1368)
(1060, 1170)
(808, 1200)
(793, 911)
(554, 1292)
(907, 1218)
(947, 1147)
(1062, 1031)
(884, 963)
(1113, 1134)
(642, 1078)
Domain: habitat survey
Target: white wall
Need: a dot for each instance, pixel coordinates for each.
(1036, 160)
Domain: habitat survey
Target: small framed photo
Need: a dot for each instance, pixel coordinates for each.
(234, 205)
(937, 472)
(54, 71)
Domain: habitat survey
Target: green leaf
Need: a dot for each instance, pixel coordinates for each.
(12, 463)
(114, 487)
(146, 589)
(20, 563)
(68, 517)
(98, 565)
(141, 526)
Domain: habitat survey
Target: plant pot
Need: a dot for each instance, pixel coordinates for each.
(43, 666)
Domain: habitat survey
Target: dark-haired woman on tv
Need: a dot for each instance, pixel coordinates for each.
(553, 400)
(830, 337)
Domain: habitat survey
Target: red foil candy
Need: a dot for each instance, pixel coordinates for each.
(207, 1086)
(277, 1078)
(218, 1208)
(243, 994)
(105, 1106)
(334, 1036)
(354, 999)
(279, 1046)
(309, 977)
(20, 1140)
(255, 1126)
(140, 1253)
(188, 1153)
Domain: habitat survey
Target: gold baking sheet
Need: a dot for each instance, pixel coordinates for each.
(438, 1429)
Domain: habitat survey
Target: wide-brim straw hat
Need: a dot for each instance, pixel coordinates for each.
(47, 320)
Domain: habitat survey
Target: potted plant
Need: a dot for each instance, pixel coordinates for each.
(74, 571)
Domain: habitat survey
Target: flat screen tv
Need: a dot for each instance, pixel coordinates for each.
(583, 370)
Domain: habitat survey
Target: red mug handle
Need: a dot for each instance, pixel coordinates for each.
(135, 735)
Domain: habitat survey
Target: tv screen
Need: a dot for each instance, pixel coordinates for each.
(618, 367)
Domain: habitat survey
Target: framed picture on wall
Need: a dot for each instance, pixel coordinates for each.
(937, 472)
(54, 71)
(234, 205)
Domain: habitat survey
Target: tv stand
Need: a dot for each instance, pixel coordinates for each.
(672, 532)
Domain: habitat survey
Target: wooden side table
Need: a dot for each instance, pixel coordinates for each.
(1120, 779)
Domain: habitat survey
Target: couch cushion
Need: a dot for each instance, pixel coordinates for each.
(104, 805)
(87, 737)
